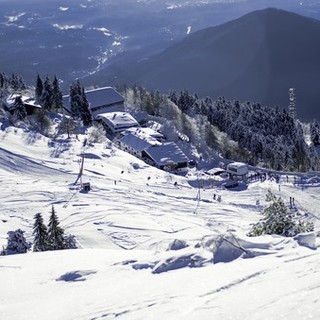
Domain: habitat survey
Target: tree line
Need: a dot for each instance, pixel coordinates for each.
(45, 238)
(47, 93)
(250, 132)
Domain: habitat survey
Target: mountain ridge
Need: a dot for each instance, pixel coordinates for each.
(258, 56)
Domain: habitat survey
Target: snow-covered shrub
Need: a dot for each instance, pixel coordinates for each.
(16, 243)
(41, 123)
(70, 242)
(96, 134)
(278, 220)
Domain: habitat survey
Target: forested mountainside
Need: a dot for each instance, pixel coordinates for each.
(240, 131)
(257, 57)
(248, 132)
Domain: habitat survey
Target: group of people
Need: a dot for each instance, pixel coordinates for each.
(292, 204)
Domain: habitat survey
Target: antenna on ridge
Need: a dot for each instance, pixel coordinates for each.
(292, 102)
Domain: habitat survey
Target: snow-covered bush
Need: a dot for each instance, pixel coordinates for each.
(278, 220)
(70, 242)
(17, 243)
(96, 134)
(41, 123)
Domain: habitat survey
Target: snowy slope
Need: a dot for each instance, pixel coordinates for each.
(127, 227)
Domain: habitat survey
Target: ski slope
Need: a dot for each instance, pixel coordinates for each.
(151, 246)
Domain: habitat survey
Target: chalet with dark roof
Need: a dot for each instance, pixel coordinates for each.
(29, 103)
(101, 100)
(166, 156)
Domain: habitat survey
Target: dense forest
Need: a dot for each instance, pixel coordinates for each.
(249, 132)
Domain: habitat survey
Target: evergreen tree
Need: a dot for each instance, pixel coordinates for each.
(17, 83)
(55, 233)
(173, 96)
(315, 133)
(278, 220)
(42, 122)
(85, 110)
(38, 89)
(314, 158)
(47, 94)
(40, 242)
(75, 93)
(3, 80)
(56, 95)
(67, 125)
(300, 149)
(19, 110)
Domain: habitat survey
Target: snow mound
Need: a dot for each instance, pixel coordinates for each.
(307, 240)
(177, 244)
(192, 260)
(229, 247)
(227, 250)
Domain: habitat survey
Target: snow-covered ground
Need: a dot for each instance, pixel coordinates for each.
(150, 248)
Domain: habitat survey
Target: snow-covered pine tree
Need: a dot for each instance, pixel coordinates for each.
(173, 96)
(75, 99)
(17, 83)
(300, 149)
(3, 80)
(314, 158)
(67, 125)
(40, 242)
(57, 104)
(85, 110)
(315, 133)
(17, 243)
(278, 220)
(55, 233)
(46, 98)
(19, 110)
(42, 122)
(39, 89)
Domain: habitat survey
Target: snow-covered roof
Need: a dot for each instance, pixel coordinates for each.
(26, 100)
(101, 97)
(138, 143)
(145, 133)
(166, 153)
(237, 165)
(239, 168)
(118, 121)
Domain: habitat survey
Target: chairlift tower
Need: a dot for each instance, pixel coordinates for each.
(292, 102)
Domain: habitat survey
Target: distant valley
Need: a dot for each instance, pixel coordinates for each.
(256, 58)
(96, 40)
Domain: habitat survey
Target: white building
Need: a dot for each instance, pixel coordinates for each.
(135, 144)
(145, 133)
(237, 169)
(117, 121)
